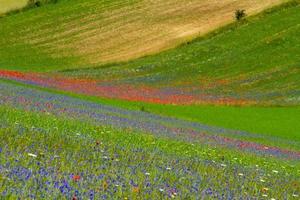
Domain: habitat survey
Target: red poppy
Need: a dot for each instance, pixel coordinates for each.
(76, 177)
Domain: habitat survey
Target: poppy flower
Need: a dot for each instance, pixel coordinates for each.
(76, 177)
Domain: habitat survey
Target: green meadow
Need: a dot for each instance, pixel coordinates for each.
(59, 144)
(277, 121)
(81, 34)
(69, 158)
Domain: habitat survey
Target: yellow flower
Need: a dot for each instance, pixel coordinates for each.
(135, 189)
(105, 185)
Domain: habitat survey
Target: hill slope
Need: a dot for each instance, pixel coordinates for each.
(83, 33)
(258, 60)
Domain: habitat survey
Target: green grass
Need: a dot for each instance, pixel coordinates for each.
(65, 147)
(79, 33)
(257, 59)
(277, 121)
(263, 52)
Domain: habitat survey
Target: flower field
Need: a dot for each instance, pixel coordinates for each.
(62, 147)
(122, 91)
(117, 100)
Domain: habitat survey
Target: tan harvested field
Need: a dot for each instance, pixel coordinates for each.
(98, 33)
(8, 5)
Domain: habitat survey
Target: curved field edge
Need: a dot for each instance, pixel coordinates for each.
(86, 33)
(255, 62)
(205, 71)
(281, 122)
(69, 158)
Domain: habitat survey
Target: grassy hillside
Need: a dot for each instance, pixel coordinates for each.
(257, 60)
(66, 131)
(252, 62)
(82, 33)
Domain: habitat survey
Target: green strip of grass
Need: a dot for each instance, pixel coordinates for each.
(277, 121)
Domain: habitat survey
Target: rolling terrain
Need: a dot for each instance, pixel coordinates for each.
(255, 62)
(134, 99)
(78, 33)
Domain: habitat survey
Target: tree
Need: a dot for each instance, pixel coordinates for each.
(33, 3)
(240, 14)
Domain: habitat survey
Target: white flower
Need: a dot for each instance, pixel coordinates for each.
(275, 171)
(168, 168)
(160, 189)
(32, 155)
(273, 199)
(264, 195)
(147, 174)
(240, 174)
(262, 180)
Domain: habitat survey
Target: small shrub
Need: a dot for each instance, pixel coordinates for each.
(37, 4)
(240, 14)
(33, 3)
(143, 109)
